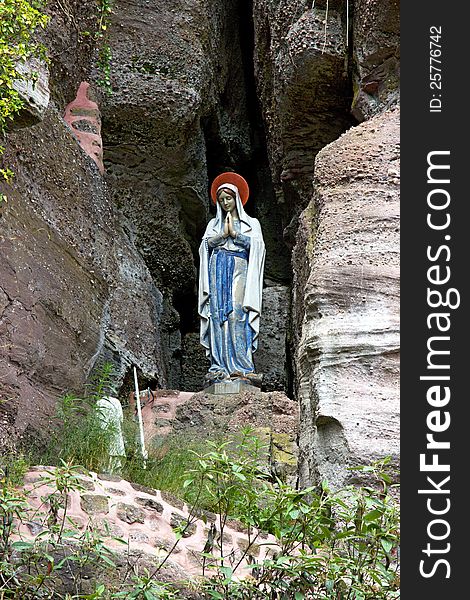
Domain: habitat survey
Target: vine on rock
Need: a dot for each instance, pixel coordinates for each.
(19, 19)
(105, 8)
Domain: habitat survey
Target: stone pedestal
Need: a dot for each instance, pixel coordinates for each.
(230, 387)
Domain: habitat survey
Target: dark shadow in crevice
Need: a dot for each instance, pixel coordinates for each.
(128, 385)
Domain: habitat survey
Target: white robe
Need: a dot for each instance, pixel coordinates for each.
(252, 300)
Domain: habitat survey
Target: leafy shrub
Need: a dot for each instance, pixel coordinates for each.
(18, 21)
(339, 545)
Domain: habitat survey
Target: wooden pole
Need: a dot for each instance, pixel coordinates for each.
(139, 417)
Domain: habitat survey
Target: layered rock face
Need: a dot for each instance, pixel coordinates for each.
(106, 268)
(376, 55)
(271, 358)
(347, 304)
(302, 71)
(112, 264)
(320, 67)
(73, 288)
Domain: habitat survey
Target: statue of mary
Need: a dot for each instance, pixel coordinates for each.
(232, 255)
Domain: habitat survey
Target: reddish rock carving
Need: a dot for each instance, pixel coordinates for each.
(83, 116)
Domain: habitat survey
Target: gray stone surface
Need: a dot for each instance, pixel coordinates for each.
(271, 358)
(376, 55)
(194, 363)
(34, 92)
(75, 289)
(149, 503)
(302, 84)
(272, 417)
(129, 513)
(94, 504)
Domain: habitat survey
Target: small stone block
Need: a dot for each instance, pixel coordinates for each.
(139, 537)
(177, 521)
(143, 488)
(230, 387)
(35, 527)
(149, 503)
(94, 504)
(250, 549)
(86, 484)
(130, 514)
(115, 491)
(109, 477)
(165, 544)
(205, 515)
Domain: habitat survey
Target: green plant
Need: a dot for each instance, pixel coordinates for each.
(13, 509)
(338, 545)
(13, 467)
(19, 19)
(146, 588)
(335, 546)
(101, 382)
(64, 479)
(167, 464)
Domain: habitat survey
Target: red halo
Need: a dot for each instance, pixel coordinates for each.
(234, 179)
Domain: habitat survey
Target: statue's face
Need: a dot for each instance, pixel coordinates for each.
(226, 200)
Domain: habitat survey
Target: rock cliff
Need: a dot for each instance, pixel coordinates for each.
(319, 67)
(105, 267)
(68, 277)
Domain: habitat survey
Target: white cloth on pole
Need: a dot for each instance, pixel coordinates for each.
(111, 418)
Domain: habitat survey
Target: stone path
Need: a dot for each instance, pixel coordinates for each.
(146, 519)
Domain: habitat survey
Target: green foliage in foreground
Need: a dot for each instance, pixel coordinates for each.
(331, 545)
(340, 545)
(18, 21)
